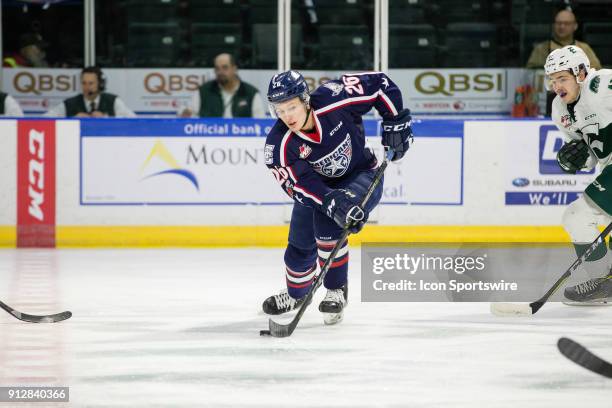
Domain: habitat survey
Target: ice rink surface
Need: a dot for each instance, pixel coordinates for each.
(180, 328)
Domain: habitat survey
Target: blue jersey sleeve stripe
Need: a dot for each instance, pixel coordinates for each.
(348, 101)
(301, 189)
(388, 102)
(283, 149)
(308, 194)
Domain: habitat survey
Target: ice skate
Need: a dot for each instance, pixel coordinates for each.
(281, 303)
(332, 306)
(595, 292)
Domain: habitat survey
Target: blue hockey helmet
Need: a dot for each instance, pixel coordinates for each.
(287, 85)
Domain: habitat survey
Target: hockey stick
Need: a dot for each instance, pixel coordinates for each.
(53, 318)
(515, 309)
(285, 330)
(583, 357)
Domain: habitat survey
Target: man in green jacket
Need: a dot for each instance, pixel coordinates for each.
(226, 96)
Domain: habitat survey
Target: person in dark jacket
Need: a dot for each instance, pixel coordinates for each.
(93, 101)
(226, 96)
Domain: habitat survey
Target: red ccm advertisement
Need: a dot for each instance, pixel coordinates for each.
(36, 183)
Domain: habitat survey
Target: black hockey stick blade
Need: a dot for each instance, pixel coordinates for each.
(285, 330)
(512, 309)
(24, 317)
(583, 357)
(281, 330)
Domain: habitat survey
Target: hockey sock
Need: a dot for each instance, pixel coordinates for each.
(337, 275)
(598, 263)
(298, 283)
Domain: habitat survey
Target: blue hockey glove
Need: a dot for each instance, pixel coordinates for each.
(342, 206)
(397, 134)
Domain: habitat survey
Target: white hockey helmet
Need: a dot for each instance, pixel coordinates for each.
(569, 58)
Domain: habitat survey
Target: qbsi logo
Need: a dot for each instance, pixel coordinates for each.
(38, 83)
(551, 141)
(167, 83)
(460, 83)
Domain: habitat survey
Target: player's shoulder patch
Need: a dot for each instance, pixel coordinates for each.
(334, 87)
(594, 84)
(269, 153)
(305, 151)
(566, 120)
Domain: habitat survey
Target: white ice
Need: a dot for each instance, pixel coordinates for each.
(180, 328)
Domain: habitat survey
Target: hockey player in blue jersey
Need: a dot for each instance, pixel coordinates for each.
(318, 154)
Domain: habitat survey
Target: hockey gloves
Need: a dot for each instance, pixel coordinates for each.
(397, 134)
(342, 206)
(573, 156)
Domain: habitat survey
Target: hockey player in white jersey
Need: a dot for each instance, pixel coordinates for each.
(582, 110)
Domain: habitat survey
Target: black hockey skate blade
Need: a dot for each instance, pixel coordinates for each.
(58, 317)
(265, 333)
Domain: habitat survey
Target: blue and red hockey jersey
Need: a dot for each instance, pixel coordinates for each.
(308, 165)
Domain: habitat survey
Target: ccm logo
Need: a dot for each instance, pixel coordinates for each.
(36, 174)
(396, 128)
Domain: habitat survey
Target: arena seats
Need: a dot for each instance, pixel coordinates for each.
(211, 39)
(152, 44)
(412, 46)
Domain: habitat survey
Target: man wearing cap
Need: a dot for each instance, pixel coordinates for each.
(31, 53)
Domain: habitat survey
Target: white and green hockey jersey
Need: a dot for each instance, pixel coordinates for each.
(591, 117)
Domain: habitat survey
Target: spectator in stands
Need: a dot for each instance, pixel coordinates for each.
(226, 96)
(9, 106)
(564, 27)
(93, 102)
(31, 53)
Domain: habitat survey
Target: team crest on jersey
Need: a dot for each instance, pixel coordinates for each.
(337, 162)
(594, 85)
(305, 151)
(566, 121)
(335, 87)
(269, 154)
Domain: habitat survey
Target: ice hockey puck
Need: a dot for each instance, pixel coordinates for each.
(264, 333)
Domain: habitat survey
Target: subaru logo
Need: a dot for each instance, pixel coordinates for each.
(520, 182)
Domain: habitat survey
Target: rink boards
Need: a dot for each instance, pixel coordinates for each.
(180, 182)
